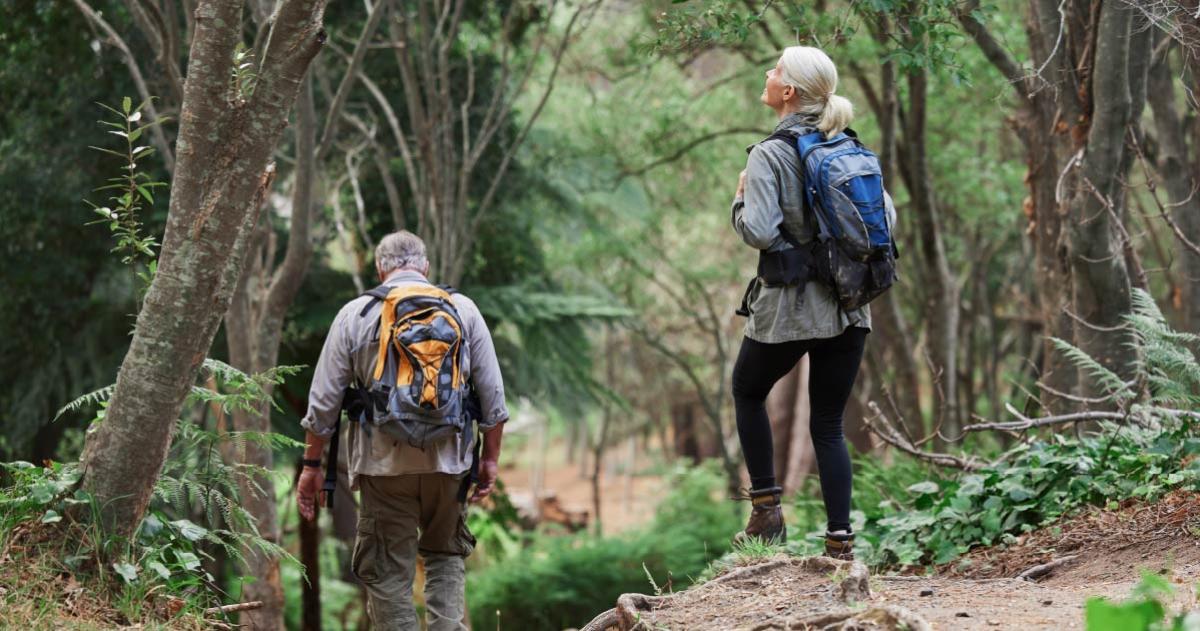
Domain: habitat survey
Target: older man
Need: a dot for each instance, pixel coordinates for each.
(411, 501)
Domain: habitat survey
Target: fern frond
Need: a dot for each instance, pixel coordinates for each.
(1107, 379)
(223, 371)
(92, 398)
(1143, 304)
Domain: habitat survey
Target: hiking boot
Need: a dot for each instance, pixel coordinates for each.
(839, 545)
(766, 517)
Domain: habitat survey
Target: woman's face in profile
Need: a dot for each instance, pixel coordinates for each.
(773, 94)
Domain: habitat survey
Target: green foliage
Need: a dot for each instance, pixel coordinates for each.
(131, 188)
(936, 520)
(1144, 611)
(199, 482)
(66, 303)
(555, 582)
(691, 26)
(58, 527)
(496, 530)
(243, 73)
(908, 519)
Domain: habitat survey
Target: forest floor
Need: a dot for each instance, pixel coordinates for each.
(1101, 553)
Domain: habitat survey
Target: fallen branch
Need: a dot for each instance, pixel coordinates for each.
(224, 609)
(1024, 422)
(881, 427)
(1038, 571)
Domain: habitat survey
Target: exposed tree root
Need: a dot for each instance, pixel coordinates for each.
(873, 619)
(853, 586)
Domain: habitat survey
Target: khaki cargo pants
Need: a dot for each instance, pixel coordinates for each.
(401, 516)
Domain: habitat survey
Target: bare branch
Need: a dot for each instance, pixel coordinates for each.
(290, 274)
(359, 205)
(993, 50)
(333, 116)
(486, 201)
(881, 427)
(1025, 422)
(164, 38)
(685, 148)
(156, 132)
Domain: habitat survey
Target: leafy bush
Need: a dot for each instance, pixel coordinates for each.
(561, 582)
(941, 518)
(1144, 611)
(906, 520)
(194, 511)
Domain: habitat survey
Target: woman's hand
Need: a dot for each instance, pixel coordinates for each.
(741, 184)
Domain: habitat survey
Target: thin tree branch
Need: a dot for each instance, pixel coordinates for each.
(881, 427)
(156, 132)
(685, 148)
(333, 116)
(992, 49)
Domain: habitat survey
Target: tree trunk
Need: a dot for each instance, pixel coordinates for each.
(941, 308)
(1180, 181)
(221, 173)
(1101, 293)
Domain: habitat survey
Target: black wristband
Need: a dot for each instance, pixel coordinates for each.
(315, 464)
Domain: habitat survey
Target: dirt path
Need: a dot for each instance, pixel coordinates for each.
(1103, 554)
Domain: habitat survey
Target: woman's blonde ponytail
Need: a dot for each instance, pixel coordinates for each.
(836, 115)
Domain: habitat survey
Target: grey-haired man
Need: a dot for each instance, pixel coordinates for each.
(409, 497)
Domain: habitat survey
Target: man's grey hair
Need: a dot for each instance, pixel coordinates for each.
(401, 250)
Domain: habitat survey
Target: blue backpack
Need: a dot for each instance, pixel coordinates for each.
(854, 253)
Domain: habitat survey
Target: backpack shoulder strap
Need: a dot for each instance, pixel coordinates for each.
(801, 142)
(378, 294)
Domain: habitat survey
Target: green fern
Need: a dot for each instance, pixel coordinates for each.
(1163, 363)
(1116, 388)
(96, 397)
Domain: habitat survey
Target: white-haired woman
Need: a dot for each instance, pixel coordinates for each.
(789, 319)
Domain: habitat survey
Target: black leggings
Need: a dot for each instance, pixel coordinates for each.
(834, 365)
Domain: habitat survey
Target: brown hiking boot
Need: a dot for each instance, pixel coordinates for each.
(839, 545)
(766, 517)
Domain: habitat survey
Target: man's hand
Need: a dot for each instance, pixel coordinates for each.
(307, 491)
(487, 480)
(741, 184)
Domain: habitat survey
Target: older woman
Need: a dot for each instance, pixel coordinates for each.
(788, 319)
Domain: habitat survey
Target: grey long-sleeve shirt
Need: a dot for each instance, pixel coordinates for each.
(774, 197)
(350, 351)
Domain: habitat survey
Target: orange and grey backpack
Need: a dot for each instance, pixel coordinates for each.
(418, 390)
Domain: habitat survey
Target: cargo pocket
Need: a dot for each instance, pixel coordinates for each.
(463, 539)
(364, 562)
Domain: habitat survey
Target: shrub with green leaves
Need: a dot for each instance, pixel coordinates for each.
(906, 520)
(1143, 611)
(561, 582)
(195, 510)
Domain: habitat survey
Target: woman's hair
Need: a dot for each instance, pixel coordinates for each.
(815, 78)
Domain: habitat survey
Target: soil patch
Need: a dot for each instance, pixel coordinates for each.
(1095, 553)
